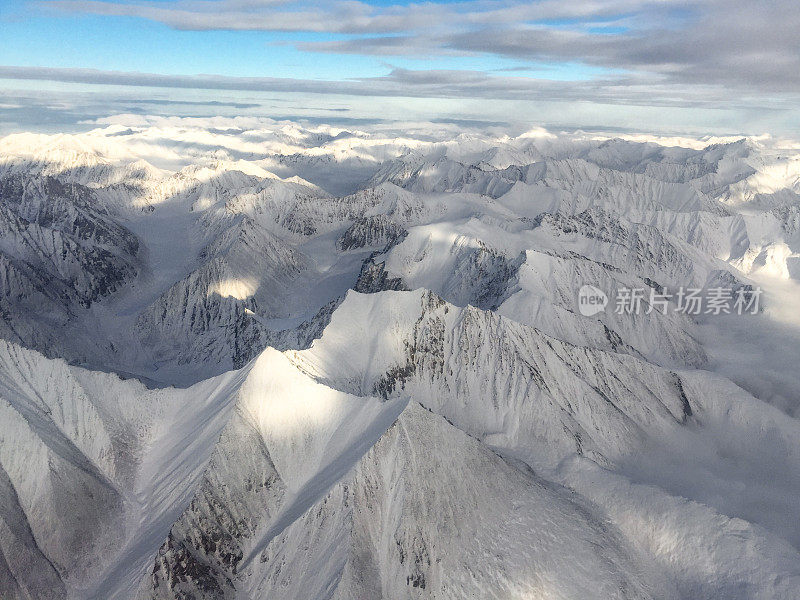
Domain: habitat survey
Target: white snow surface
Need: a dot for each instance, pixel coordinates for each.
(245, 359)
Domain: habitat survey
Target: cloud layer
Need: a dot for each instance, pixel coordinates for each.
(731, 56)
(741, 44)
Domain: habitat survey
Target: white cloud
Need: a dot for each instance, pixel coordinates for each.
(731, 53)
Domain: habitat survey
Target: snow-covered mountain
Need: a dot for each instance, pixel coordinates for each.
(314, 363)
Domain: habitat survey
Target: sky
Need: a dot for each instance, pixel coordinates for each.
(665, 66)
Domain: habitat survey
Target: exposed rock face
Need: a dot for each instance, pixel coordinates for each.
(371, 231)
(59, 253)
(54, 230)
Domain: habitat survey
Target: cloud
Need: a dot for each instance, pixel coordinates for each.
(733, 43)
(354, 17)
(451, 84)
(156, 101)
(747, 47)
(335, 17)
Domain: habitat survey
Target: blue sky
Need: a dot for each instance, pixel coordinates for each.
(675, 65)
(38, 35)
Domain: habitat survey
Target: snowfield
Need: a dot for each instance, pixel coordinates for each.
(252, 359)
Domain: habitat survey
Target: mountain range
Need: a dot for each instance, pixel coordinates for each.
(272, 360)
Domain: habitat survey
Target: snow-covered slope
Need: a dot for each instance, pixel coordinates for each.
(386, 385)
